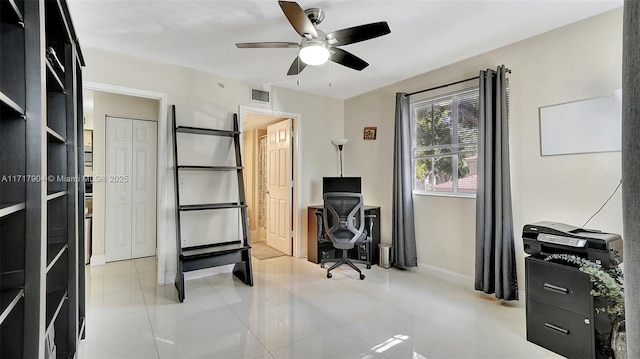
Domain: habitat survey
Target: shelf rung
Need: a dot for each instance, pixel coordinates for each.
(212, 245)
(53, 76)
(59, 250)
(59, 12)
(9, 103)
(51, 132)
(82, 327)
(202, 207)
(9, 208)
(8, 300)
(10, 11)
(55, 300)
(210, 168)
(212, 252)
(206, 131)
(55, 195)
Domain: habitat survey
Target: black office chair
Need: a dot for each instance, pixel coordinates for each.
(344, 226)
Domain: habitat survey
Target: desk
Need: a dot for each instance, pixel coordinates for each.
(315, 231)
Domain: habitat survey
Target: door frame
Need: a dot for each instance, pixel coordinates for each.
(163, 123)
(296, 150)
(112, 117)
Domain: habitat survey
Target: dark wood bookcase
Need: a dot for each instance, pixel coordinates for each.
(41, 160)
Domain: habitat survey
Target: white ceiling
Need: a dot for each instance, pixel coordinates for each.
(425, 35)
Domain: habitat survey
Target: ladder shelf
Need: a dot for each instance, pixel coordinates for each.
(214, 254)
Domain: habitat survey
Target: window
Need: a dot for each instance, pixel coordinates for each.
(444, 143)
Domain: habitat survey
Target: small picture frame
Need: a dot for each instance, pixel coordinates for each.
(370, 133)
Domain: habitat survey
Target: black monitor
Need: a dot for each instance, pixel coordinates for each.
(341, 184)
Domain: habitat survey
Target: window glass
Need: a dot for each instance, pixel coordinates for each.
(445, 143)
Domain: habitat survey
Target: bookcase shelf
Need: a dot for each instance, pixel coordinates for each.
(42, 306)
(54, 135)
(10, 208)
(53, 195)
(9, 299)
(53, 80)
(54, 252)
(9, 105)
(12, 311)
(55, 300)
(12, 58)
(11, 12)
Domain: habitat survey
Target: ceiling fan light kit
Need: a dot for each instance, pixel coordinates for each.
(316, 47)
(314, 52)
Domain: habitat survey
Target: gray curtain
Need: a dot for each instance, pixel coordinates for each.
(631, 171)
(495, 253)
(403, 238)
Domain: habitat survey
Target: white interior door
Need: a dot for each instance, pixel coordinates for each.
(143, 241)
(131, 149)
(118, 192)
(279, 186)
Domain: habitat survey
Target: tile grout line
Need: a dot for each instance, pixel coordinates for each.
(146, 307)
(240, 319)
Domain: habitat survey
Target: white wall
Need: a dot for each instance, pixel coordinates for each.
(579, 61)
(201, 96)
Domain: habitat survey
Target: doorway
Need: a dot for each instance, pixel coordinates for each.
(266, 212)
(130, 223)
(127, 106)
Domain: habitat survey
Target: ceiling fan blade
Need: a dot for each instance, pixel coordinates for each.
(298, 19)
(296, 67)
(358, 33)
(267, 45)
(347, 59)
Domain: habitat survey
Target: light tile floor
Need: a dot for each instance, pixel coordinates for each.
(294, 311)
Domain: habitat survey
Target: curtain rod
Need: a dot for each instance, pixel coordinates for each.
(442, 86)
(449, 84)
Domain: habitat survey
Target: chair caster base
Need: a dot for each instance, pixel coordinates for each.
(361, 276)
(329, 275)
(368, 266)
(321, 265)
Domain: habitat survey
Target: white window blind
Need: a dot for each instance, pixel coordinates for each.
(445, 143)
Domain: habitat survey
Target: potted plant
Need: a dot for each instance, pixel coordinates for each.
(608, 286)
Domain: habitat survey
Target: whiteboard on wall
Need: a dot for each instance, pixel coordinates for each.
(585, 126)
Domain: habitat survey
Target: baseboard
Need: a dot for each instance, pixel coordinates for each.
(169, 278)
(446, 275)
(463, 281)
(97, 260)
(522, 297)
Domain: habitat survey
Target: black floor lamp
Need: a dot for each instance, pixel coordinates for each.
(340, 142)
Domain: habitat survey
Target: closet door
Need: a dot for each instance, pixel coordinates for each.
(130, 188)
(119, 194)
(143, 181)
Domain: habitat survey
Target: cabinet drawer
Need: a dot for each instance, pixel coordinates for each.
(559, 330)
(363, 256)
(562, 286)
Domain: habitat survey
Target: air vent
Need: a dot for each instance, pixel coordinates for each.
(259, 95)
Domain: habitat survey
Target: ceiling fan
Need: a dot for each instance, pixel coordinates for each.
(316, 47)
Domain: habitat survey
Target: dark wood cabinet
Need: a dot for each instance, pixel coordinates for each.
(561, 313)
(41, 265)
(319, 248)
